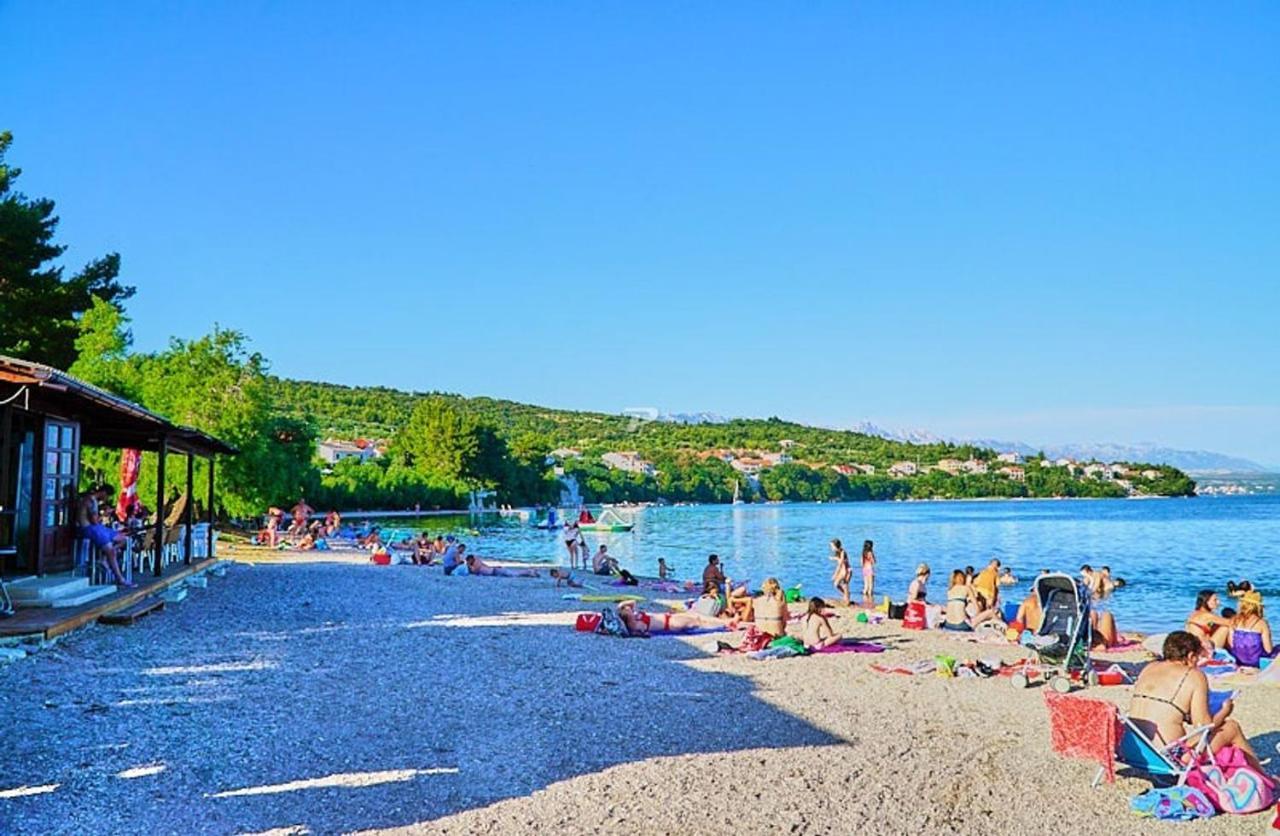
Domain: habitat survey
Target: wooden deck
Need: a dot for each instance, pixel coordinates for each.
(49, 622)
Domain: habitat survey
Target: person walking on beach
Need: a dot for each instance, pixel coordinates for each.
(571, 542)
(843, 574)
(868, 571)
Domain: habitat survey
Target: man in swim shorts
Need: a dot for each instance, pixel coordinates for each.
(90, 527)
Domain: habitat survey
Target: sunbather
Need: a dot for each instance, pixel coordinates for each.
(476, 566)
(917, 590)
(1205, 623)
(602, 563)
(1173, 693)
(1030, 615)
(565, 576)
(640, 623)
(770, 610)
(1250, 634)
(818, 632)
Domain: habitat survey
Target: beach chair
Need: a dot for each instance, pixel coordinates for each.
(1171, 762)
(1096, 730)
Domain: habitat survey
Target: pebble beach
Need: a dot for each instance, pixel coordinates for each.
(340, 697)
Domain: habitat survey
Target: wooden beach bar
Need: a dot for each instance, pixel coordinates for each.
(46, 418)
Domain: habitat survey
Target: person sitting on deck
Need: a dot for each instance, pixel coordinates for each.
(1250, 634)
(476, 566)
(1205, 622)
(1173, 693)
(770, 609)
(602, 563)
(640, 623)
(108, 540)
(818, 632)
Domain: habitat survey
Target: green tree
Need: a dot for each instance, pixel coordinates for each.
(39, 306)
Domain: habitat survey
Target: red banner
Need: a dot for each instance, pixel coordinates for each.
(130, 462)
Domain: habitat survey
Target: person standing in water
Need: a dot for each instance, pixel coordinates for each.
(843, 574)
(868, 571)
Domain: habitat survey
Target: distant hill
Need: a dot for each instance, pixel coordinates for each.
(642, 455)
(1189, 461)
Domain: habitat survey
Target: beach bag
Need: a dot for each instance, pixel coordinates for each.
(611, 624)
(755, 639)
(381, 558)
(913, 617)
(1230, 784)
(896, 611)
(587, 622)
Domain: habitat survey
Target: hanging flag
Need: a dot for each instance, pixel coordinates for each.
(130, 462)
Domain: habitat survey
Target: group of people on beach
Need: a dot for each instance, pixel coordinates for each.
(842, 578)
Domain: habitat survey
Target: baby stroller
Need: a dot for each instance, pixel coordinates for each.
(1061, 645)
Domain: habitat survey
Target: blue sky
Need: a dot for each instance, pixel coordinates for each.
(1005, 221)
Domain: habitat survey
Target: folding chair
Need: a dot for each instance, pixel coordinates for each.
(1170, 761)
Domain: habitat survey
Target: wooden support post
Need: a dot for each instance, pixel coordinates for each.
(208, 508)
(188, 512)
(160, 511)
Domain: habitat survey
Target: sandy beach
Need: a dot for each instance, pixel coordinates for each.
(340, 697)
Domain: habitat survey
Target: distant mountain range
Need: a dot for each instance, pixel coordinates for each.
(1190, 461)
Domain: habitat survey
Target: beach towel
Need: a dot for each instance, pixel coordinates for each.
(1173, 804)
(920, 668)
(781, 652)
(1084, 728)
(853, 647)
(697, 631)
(609, 599)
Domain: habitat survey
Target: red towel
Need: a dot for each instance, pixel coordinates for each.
(1084, 728)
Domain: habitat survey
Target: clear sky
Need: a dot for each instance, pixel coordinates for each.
(1002, 220)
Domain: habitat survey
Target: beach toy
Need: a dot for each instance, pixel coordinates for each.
(946, 665)
(793, 594)
(1014, 632)
(884, 606)
(1010, 611)
(862, 618)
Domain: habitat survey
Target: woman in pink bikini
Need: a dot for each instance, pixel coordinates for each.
(868, 571)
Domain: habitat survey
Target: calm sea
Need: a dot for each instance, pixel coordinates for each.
(1165, 548)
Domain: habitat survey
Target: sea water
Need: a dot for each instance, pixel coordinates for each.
(1166, 549)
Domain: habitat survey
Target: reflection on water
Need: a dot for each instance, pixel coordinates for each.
(1166, 549)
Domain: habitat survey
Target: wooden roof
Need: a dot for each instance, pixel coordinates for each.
(106, 420)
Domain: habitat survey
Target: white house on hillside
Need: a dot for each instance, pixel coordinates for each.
(332, 451)
(629, 461)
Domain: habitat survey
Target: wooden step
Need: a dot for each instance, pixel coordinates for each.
(133, 612)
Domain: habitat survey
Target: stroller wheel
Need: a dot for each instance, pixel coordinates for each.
(1060, 684)
(1019, 680)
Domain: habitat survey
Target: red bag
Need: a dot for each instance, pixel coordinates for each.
(381, 558)
(587, 622)
(914, 617)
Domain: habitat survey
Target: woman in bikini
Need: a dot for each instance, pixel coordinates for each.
(771, 609)
(1205, 623)
(843, 576)
(1172, 694)
(868, 571)
(641, 623)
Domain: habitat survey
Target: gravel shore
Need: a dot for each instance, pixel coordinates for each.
(331, 697)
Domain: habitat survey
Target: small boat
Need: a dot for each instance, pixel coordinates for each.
(609, 521)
